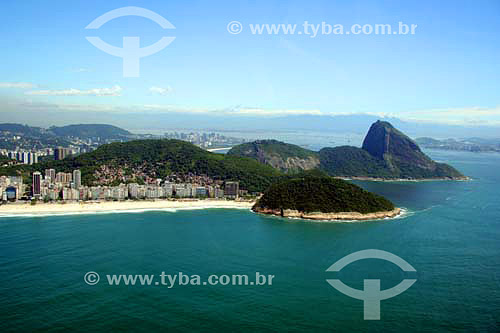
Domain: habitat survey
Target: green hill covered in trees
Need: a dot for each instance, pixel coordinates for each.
(160, 158)
(102, 131)
(321, 194)
(283, 156)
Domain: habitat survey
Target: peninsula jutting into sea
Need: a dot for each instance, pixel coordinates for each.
(156, 169)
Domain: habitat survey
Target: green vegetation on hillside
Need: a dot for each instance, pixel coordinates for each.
(282, 149)
(322, 194)
(20, 129)
(91, 131)
(283, 156)
(161, 158)
(402, 156)
(28, 137)
(387, 153)
(5, 159)
(348, 161)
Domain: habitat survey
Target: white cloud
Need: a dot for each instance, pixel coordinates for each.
(113, 91)
(19, 85)
(160, 90)
(465, 116)
(160, 109)
(239, 110)
(274, 112)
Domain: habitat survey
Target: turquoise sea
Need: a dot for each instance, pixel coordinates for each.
(450, 235)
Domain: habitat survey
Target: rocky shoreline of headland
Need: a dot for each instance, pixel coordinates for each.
(341, 216)
(393, 180)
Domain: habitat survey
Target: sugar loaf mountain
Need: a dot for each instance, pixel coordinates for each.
(386, 154)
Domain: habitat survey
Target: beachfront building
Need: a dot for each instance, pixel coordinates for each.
(231, 189)
(50, 175)
(11, 188)
(119, 193)
(37, 184)
(67, 186)
(218, 192)
(64, 178)
(133, 190)
(168, 189)
(70, 194)
(11, 193)
(77, 179)
(200, 192)
(51, 193)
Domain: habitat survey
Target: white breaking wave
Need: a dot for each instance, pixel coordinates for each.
(119, 211)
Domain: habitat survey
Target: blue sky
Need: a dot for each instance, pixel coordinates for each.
(448, 71)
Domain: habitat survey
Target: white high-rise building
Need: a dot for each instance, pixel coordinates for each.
(77, 178)
(50, 174)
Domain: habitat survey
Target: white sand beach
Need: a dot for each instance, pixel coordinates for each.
(27, 209)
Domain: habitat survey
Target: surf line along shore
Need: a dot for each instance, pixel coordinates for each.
(26, 208)
(82, 207)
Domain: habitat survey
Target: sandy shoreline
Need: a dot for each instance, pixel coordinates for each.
(20, 209)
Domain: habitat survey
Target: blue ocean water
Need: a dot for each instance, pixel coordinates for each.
(450, 235)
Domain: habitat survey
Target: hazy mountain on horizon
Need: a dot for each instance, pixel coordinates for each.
(354, 123)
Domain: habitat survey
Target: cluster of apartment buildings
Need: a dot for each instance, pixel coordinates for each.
(31, 157)
(61, 153)
(55, 186)
(205, 140)
(68, 186)
(25, 157)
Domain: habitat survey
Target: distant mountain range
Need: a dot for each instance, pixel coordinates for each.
(91, 131)
(83, 131)
(468, 144)
(18, 129)
(386, 153)
(350, 123)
